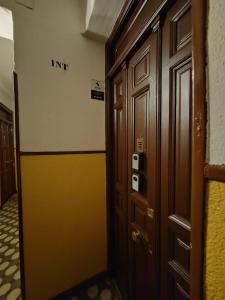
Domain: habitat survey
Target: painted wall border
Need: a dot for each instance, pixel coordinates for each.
(215, 172)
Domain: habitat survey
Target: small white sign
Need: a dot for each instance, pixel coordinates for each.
(97, 89)
(98, 85)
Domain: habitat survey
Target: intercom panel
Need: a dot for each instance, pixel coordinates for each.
(137, 161)
(137, 182)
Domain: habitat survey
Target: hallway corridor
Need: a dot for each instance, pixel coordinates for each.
(112, 150)
(9, 251)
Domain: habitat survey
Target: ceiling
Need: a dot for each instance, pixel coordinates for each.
(100, 17)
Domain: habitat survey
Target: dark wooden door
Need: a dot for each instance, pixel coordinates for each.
(7, 161)
(153, 120)
(143, 139)
(2, 187)
(7, 155)
(5, 183)
(176, 152)
(120, 181)
(12, 161)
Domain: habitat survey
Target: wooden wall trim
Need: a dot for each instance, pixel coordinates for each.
(6, 114)
(6, 121)
(6, 109)
(215, 172)
(33, 153)
(124, 15)
(112, 69)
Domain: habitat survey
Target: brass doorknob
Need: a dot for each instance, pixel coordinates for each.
(136, 235)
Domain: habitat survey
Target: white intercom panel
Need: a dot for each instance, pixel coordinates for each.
(136, 182)
(137, 161)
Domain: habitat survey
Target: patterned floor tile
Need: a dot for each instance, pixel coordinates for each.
(100, 289)
(9, 251)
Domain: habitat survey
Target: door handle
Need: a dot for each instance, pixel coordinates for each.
(136, 236)
(145, 238)
(145, 242)
(142, 237)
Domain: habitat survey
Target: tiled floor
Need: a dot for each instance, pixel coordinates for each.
(9, 251)
(101, 290)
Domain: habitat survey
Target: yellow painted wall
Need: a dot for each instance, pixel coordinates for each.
(64, 215)
(215, 242)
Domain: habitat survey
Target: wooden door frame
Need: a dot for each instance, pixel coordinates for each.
(19, 187)
(198, 146)
(199, 8)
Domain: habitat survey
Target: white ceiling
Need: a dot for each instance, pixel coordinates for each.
(101, 16)
(6, 23)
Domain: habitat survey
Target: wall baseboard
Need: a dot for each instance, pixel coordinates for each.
(30, 153)
(69, 293)
(215, 172)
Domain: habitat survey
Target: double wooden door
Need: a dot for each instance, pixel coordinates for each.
(7, 155)
(152, 163)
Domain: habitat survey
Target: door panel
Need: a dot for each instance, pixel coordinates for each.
(120, 182)
(176, 152)
(5, 162)
(2, 164)
(7, 156)
(12, 160)
(142, 138)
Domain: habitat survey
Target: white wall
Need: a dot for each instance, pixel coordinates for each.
(216, 82)
(56, 112)
(100, 17)
(6, 72)
(89, 10)
(6, 58)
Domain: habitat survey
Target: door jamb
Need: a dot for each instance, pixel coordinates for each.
(198, 146)
(19, 186)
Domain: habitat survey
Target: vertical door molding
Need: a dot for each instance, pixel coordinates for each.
(119, 209)
(143, 202)
(176, 128)
(198, 146)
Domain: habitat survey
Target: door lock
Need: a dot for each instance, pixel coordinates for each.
(150, 213)
(136, 236)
